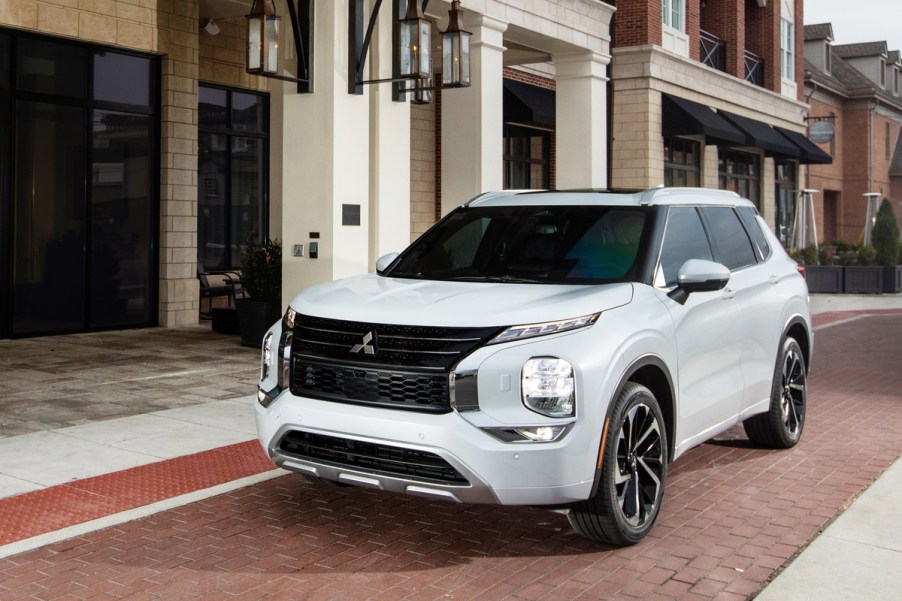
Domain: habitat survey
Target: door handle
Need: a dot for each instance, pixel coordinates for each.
(774, 280)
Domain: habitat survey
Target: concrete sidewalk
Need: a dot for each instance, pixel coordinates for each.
(199, 397)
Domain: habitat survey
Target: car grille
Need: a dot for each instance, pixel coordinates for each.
(396, 366)
(380, 387)
(373, 458)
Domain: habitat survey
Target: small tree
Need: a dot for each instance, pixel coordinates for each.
(886, 235)
(261, 270)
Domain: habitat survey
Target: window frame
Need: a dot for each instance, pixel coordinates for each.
(671, 166)
(510, 160)
(787, 49)
(745, 158)
(667, 13)
(230, 133)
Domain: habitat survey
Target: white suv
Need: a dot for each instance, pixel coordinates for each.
(545, 348)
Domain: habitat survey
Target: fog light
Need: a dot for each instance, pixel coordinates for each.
(542, 433)
(547, 387)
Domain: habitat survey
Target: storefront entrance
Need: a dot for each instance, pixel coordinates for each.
(79, 132)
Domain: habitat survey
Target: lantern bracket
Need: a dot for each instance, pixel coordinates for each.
(359, 46)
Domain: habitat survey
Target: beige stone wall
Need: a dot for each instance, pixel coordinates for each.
(422, 168)
(222, 57)
(637, 148)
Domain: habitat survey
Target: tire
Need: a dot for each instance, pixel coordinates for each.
(633, 472)
(781, 427)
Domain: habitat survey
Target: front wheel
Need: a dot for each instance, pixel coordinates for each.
(633, 471)
(781, 427)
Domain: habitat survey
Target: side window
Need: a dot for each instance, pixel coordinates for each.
(733, 244)
(749, 216)
(684, 239)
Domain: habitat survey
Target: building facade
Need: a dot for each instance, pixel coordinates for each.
(136, 147)
(708, 93)
(855, 89)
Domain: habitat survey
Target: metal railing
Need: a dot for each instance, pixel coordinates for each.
(712, 51)
(754, 69)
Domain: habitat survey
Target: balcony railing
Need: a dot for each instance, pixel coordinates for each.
(754, 69)
(712, 51)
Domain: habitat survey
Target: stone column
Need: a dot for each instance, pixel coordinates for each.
(581, 109)
(472, 119)
(389, 204)
(323, 141)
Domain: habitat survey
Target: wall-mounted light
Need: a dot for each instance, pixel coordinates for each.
(412, 64)
(414, 40)
(263, 38)
(455, 50)
(210, 27)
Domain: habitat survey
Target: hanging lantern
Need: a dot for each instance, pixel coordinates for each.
(422, 88)
(413, 32)
(262, 38)
(455, 51)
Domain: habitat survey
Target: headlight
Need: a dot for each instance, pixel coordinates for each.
(544, 328)
(285, 340)
(288, 319)
(266, 358)
(547, 386)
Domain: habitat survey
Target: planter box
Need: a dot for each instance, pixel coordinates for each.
(827, 279)
(892, 279)
(863, 279)
(254, 318)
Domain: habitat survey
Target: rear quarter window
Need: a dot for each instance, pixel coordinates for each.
(733, 245)
(750, 217)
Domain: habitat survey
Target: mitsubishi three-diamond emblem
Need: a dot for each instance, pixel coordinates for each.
(367, 346)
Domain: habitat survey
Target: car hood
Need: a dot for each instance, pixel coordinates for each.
(375, 299)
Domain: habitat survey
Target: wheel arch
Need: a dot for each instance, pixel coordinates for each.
(651, 372)
(797, 328)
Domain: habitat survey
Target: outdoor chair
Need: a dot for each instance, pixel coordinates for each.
(230, 288)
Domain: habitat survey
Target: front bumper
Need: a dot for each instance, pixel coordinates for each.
(494, 472)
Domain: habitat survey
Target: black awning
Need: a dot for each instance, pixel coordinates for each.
(811, 154)
(681, 117)
(761, 135)
(524, 103)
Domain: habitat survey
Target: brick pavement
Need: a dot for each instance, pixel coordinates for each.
(732, 515)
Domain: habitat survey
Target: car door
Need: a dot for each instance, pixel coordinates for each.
(754, 300)
(706, 336)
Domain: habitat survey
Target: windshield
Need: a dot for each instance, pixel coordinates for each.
(549, 245)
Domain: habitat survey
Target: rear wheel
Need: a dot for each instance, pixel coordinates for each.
(781, 427)
(633, 472)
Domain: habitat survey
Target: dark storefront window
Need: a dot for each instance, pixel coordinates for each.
(785, 200)
(740, 173)
(527, 158)
(232, 174)
(682, 162)
(78, 187)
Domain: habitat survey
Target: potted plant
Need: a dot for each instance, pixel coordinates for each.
(821, 274)
(261, 279)
(861, 274)
(886, 245)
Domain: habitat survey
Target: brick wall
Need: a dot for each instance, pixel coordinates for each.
(762, 37)
(637, 23)
(726, 20)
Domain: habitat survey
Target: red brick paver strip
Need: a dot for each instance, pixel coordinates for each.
(57, 507)
(732, 514)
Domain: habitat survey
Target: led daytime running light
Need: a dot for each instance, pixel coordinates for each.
(544, 329)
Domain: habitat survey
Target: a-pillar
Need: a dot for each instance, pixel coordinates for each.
(472, 119)
(321, 162)
(580, 115)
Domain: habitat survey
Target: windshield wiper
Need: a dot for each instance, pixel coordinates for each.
(506, 279)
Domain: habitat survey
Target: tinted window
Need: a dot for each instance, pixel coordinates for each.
(51, 68)
(555, 244)
(4, 61)
(733, 244)
(684, 239)
(122, 78)
(748, 215)
(248, 112)
(212, 104)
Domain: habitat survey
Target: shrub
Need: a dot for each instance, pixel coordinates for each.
(867, 256)
(261, 270)
(886, 235)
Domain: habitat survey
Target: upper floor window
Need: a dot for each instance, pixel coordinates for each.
(673, 13)
(896, 81)
(882, 73)
(787, 49)
(828, 58)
